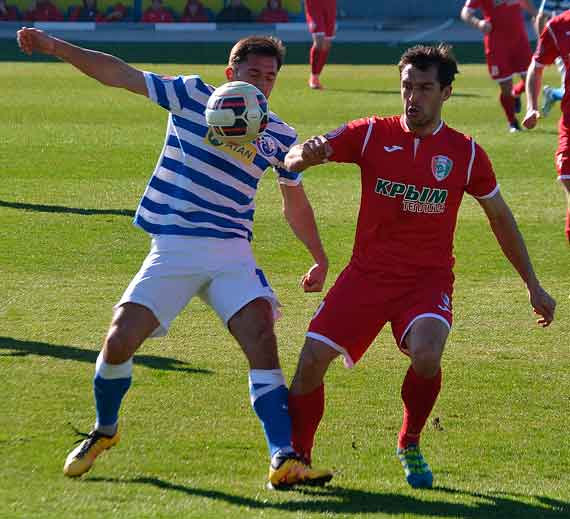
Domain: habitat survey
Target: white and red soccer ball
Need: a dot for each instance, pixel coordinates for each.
(237, 112)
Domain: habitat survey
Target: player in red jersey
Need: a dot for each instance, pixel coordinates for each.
(554, 42)
(414, 170)
(321, 20)
(506, 47)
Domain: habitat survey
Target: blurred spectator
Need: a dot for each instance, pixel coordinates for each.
(234, 11)
(117, 13)
(86, 13)
(273, 13)
(8, 13)
(195, 12)
(157, 13)
(43, 11)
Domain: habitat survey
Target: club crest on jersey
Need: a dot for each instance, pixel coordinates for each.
(266, 145)
(441, 167)
(335, 133)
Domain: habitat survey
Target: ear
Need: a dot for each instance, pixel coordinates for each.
(230, 73)
(447, 92)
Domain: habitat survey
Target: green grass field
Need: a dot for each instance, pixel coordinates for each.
(74, 159)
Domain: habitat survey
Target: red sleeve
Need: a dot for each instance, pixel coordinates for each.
(348, 140)
(546, 49)
(482, 181)
(473, 4)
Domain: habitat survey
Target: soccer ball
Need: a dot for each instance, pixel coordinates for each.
(237, 112)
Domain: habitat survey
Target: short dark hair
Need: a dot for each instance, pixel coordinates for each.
(426, 56)
(260, 45)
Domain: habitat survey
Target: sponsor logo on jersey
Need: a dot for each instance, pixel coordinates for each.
(335, 133)
(390, 149)
(414, 199)
(243, 152)
(441, 167)
(266, 145)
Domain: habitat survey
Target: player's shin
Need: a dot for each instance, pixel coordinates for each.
(419, 395)
(269, 397)
(306, 413)
(110, 385)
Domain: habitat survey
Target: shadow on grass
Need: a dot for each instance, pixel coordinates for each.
(63, 209)
(386, 92)
(16, 347)
(333, 500)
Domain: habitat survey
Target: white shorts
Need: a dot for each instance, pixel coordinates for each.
(222, 273)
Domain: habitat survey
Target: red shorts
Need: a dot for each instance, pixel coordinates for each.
(562, 155)
(359, 304)
(503, 61)
(321, 17)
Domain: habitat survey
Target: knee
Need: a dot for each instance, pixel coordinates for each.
(426, 358)
(319, 43)
(119, 345)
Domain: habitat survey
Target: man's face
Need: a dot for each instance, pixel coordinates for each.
(260, 71)
(422, 96)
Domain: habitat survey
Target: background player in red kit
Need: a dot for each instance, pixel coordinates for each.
(507, 49)
(321, 20)
(554, 41)
(414, 170)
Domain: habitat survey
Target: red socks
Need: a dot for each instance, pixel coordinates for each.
(317, 59)
(518, 89)
(314, 59)
(419, 395)
(508, 103)
(323, 55)
(306, 412)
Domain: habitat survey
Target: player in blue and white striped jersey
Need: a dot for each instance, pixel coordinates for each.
(548, 9)
(198, 208)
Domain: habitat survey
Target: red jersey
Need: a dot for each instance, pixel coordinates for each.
(411, 192)
(506, 18)
(553, 42)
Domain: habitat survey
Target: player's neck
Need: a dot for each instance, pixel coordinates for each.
(424, 130)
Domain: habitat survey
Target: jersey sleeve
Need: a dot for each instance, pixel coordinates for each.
(481, 180)
(277, 140)
(546, 49)
(178, 94)
(349, 140)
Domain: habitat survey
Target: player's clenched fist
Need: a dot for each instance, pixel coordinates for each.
(34, 40)
(312, 152)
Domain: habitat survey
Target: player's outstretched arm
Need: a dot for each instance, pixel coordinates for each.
(312, 152)
(533, 82)
(511, 241)
(107, 69)
(300, 217)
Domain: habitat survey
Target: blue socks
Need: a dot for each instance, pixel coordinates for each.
(269, 399)
(110, 384)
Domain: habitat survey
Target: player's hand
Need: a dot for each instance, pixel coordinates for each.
(485, 26)
(530, 119)
(316, 150)
(35, 40)
(314, 279)
(542, 304)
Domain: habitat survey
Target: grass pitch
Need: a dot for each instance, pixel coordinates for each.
(74, 159)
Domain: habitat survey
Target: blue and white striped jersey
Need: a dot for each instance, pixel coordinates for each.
(201, 186)
(554, 7)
